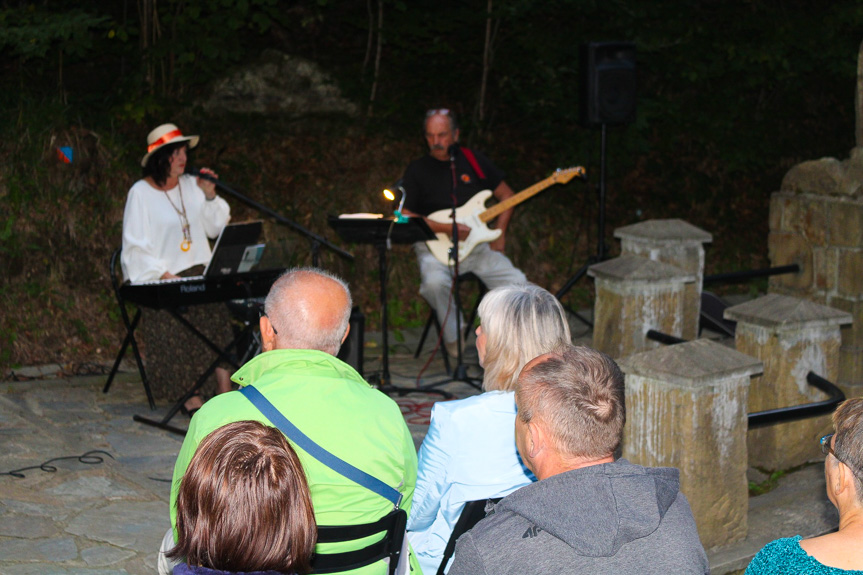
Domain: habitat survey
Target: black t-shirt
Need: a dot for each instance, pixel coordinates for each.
(428, 182)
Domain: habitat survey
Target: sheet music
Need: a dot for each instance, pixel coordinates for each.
(360, 216)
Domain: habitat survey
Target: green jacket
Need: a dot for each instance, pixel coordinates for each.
(332, 404)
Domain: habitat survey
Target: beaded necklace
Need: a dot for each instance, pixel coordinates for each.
(186, 244)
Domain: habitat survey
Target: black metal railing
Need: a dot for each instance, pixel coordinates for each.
(663, 337)
(805, 411)
(781, 414)
(744, 275)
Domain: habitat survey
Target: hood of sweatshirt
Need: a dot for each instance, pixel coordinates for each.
(616, 503)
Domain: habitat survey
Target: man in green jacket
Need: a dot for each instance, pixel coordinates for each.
(306, 321)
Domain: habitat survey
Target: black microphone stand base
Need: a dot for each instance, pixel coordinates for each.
(385, 386)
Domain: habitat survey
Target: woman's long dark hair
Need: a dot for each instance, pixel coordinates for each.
(244, 504)
(158, 165)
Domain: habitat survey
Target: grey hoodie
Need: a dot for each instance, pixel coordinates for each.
(611, 518)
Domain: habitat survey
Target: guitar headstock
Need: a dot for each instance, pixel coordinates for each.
(563, 176)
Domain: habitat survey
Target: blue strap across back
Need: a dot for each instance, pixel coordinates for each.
(306, 444)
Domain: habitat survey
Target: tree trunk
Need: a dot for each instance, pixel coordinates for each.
(858, 108)
(370, 38)
(491, 27)
(370, 111)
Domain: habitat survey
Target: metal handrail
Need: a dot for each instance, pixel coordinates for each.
(804, 411)
(749, 274)
(781, 414)
(663, 337)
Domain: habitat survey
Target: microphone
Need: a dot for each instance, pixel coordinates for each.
(203, 175)
(452, 150)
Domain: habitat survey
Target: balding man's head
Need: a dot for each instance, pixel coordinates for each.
(308, 309)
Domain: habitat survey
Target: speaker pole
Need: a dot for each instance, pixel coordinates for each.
(600, 245)
(607, 97)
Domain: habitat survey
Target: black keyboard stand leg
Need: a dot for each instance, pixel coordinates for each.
(223, 354)
(130, 340)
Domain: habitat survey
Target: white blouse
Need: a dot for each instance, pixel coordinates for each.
(153, 230)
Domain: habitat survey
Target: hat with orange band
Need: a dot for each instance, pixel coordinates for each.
(163, 135)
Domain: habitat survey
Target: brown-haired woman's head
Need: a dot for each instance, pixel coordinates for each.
(244, 503)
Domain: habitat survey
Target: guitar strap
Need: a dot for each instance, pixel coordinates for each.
(474, 164)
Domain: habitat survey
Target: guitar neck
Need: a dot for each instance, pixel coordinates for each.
(515, 200)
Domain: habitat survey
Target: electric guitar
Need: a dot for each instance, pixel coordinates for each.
(474, 215)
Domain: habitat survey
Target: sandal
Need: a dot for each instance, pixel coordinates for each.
(190, 412)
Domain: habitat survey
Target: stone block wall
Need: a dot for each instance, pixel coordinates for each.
(816, 221)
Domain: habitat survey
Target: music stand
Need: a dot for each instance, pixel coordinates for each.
(382, 232)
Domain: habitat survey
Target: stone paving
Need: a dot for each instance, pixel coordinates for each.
(106, 513)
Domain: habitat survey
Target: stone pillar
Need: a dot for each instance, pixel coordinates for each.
(686, 408)
(634, 295)
(816, 221)
(792, 337)
(677, 243)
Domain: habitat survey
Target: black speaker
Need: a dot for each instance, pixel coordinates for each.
(351, 351)
(607, 83)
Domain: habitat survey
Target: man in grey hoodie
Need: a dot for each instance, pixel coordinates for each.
(589, 512)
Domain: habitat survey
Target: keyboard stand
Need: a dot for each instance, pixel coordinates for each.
(222, 355)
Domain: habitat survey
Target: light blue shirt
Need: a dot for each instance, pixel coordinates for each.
(468, 453)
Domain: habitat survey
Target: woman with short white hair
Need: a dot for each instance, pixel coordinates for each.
(469, 451)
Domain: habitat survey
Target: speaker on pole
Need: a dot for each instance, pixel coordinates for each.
(608, 83)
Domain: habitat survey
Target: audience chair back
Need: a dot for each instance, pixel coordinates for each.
(473, 513)
(389, 547)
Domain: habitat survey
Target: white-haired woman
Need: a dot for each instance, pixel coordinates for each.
(469, 451)
(841, 551)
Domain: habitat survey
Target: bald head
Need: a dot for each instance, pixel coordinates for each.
(307, 308)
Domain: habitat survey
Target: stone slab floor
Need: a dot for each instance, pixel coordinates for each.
(108, 516)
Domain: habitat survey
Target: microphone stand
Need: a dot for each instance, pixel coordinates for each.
(316, 241)
(459, 373)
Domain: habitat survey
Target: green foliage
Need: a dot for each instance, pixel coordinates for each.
(732, 93)
(30, 32)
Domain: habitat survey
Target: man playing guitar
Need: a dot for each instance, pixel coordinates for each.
(453, 175)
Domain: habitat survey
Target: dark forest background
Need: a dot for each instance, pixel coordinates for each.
(731, 94)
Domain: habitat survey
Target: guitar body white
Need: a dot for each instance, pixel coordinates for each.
(467, 214)
(474, 215)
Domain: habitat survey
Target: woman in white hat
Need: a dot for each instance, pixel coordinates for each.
(169, 214)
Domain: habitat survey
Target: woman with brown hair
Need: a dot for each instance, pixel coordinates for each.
(244, 505)
(842, 550)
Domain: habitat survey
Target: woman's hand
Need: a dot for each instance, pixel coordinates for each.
(206, 185)
(169, 276)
